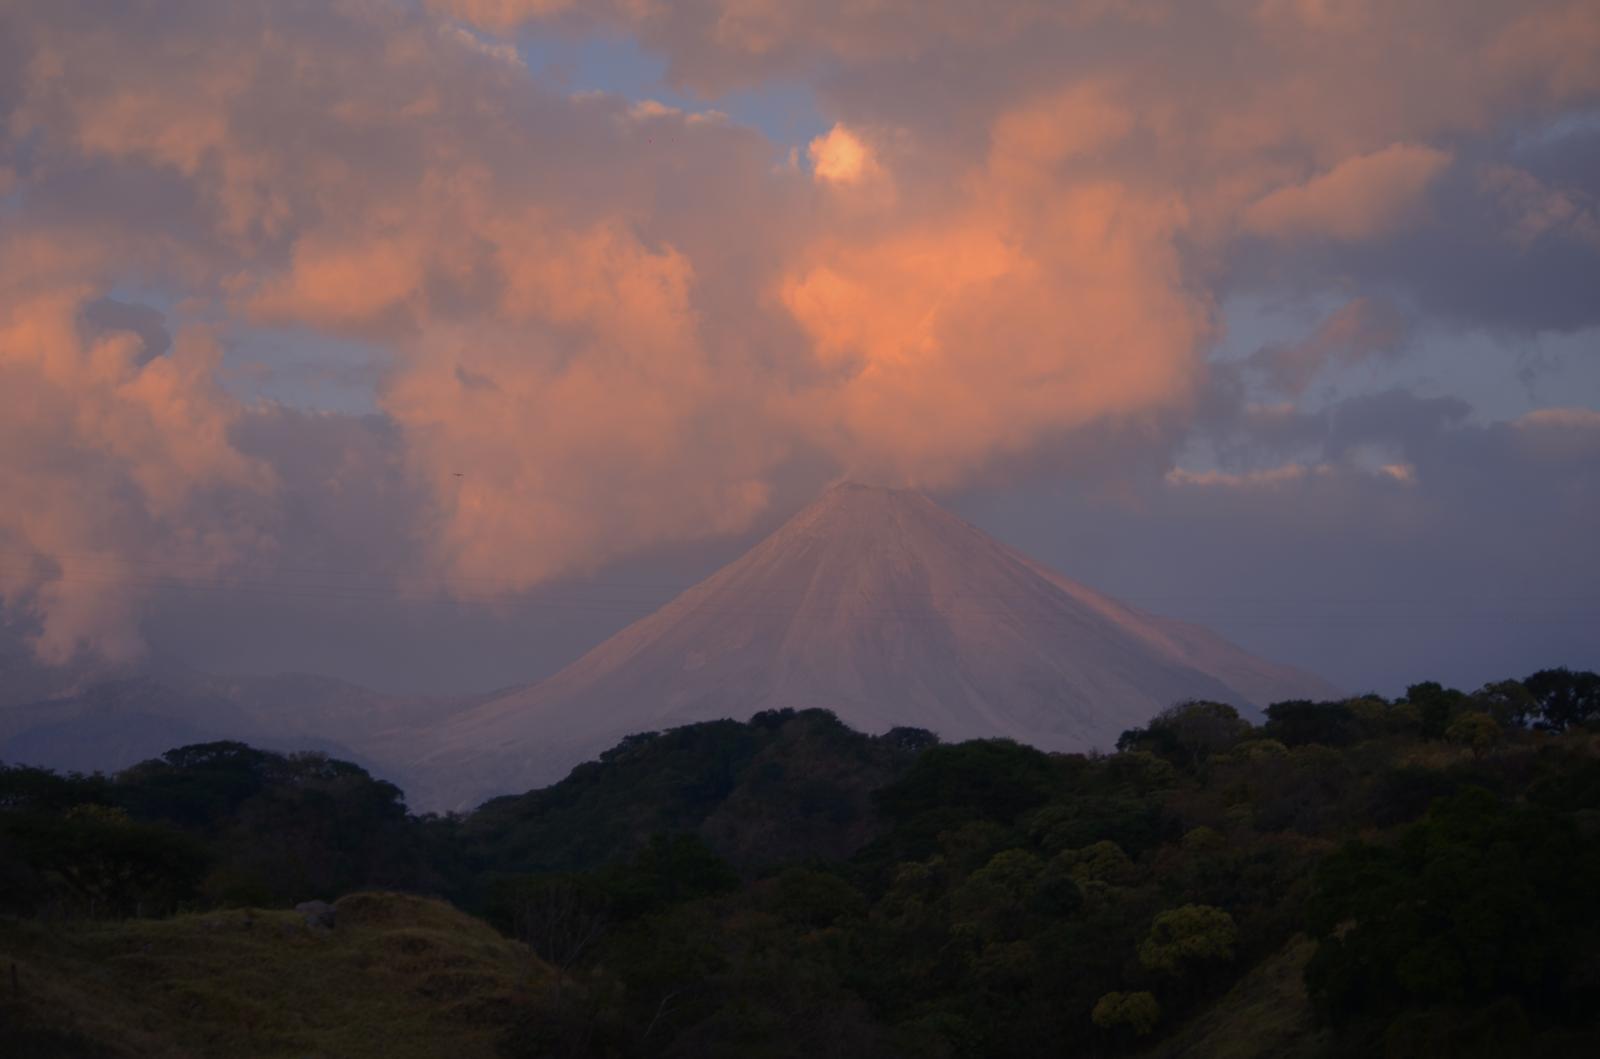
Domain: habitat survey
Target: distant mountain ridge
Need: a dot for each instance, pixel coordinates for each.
(88, 717)
(878, 605)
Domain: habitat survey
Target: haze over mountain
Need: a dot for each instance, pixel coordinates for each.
(871, 602)
(91, 716)
(883, 607)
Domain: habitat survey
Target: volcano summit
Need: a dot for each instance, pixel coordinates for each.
(883, 607)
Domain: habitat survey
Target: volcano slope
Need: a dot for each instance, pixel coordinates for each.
(878, 605)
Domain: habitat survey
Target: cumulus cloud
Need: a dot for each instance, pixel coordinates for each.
(1357, 199)
(1029, 309)
(607, 324)
(114, 456)
(840, 157)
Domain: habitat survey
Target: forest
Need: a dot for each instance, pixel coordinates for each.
(1407, 877)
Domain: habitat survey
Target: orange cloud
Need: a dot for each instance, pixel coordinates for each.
(840, 157)
(1270, 478)
(502, 14)
(1357, 199)
(335, 282)
(1043, 302)
(609, 324)
(1577, 419)
(114, 458)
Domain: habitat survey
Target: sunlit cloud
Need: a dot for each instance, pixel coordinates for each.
(603, 324)
(1578, 419)
(1357, 199)
(840, 157)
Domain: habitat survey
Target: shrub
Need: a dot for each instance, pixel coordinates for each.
(1135, 1012)
(1192, 934)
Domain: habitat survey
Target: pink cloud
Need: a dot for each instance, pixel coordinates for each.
(120, 460)
(1359, 198)
(608, 324)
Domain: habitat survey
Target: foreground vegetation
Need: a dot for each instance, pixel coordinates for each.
(1406, 878)
(395, 976)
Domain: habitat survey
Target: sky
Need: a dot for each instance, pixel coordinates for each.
(427, 342)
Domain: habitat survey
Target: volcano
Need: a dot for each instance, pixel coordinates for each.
(888, 610)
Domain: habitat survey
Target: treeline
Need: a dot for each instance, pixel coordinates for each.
(211, 825)
(791, 887)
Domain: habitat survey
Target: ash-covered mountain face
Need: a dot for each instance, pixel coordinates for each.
(883, 607)
(873, 603)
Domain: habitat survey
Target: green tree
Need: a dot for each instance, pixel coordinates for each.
(1136, 1013)
(669, 870)
(1301, 722)
(107, 862)
(1508, 702)
(1437, 705)
(1184, 937)
(1188, 733)
(1565, 698)
(995, 779)
(997, 898)
(1479, 900)
(1476, 731)
(1102, 862)
(815, 899)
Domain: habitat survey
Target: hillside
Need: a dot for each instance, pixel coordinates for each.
(1407, 878)
(396, 976)
(882, 607)
(785, 787)
(1267, 1014)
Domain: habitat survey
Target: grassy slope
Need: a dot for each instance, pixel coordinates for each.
(398, 976)
(1267, 1014)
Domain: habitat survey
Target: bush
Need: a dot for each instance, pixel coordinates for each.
(1135, 1012)
(1182, 937)
(811, 898)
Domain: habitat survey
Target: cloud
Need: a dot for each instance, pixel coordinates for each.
(1537, 210)
(840, 157)
(1506, 248)
(1023, 314)
(720, 44)
(1356, 199)
(1262, 479)
(502, 14)
(1561, 434)
(1374, 577)
(607, 325)
(1359, 330)
(108, 316)
(1287, 474)
(1560, 419)
(117, 457)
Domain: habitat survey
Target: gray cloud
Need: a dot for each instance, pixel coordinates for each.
(1475, 565)
(150, 324)
(606, 331)
(1475, 260)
